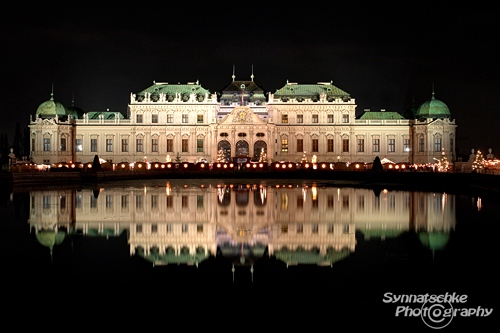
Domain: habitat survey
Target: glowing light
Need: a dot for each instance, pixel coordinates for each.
(314, 192)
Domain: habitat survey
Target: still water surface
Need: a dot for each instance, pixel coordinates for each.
(340, 244)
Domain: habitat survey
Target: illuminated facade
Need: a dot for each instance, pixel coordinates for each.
(189, 123)
(175, 223)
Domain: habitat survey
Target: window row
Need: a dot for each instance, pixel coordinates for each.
(154, 228)
(314, 119)
(125, 145)
(170, 119)
(360, 145)
(315, 228)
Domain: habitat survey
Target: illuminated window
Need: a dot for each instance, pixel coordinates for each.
(284, 145)
(199, 119)
(284, 118)
(79, 145)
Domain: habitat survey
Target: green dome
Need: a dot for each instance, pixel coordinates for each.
(434, 240)
(74, 111)
(49, 238)
(51, 109)
(433, 108)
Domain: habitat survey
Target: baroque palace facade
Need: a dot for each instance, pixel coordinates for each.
(187, 122)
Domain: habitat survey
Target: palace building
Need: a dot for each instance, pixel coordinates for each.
(189, 123)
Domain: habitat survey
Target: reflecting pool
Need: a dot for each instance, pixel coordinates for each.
(365, 249)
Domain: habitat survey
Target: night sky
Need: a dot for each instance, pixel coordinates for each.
(384, 56)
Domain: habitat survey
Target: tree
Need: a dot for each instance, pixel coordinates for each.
(443, 164)
(263, 156)
(221, 157)
(377, 164)
(96, 165)
(478, 164)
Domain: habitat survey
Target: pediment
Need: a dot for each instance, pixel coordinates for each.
(242, 115)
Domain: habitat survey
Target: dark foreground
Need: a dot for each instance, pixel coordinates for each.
(436, 181)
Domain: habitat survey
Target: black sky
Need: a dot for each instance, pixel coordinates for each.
(384, 56)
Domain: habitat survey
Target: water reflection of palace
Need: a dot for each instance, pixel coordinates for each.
(295, 223)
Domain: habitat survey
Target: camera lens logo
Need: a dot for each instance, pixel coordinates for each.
(437, 315)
